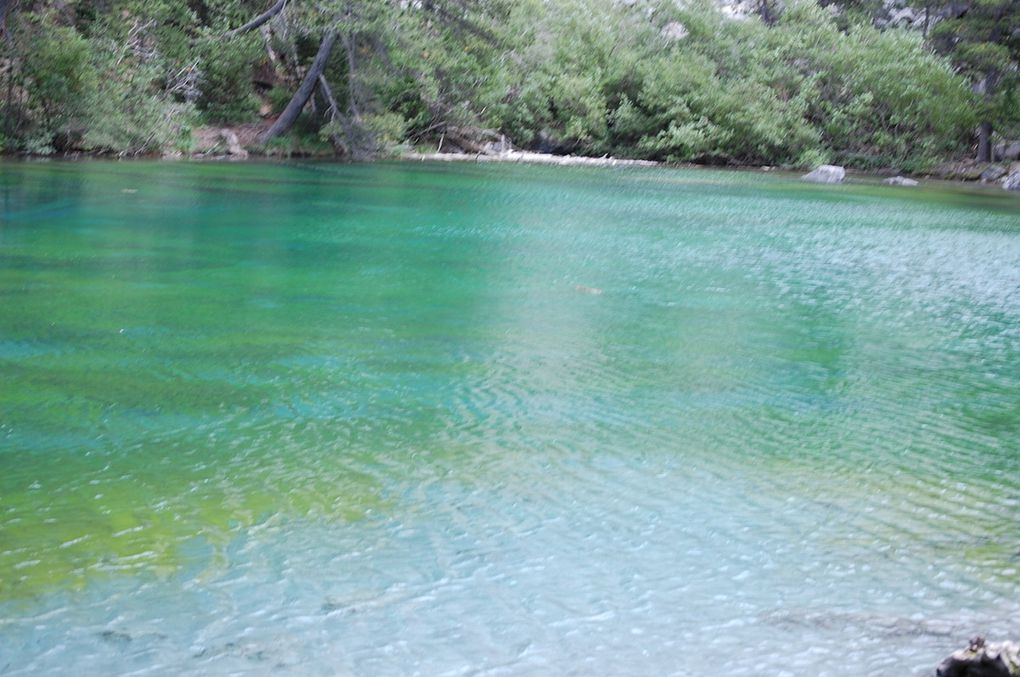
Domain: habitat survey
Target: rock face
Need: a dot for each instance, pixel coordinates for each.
(981, 659)
(825, 174)
(900, 181)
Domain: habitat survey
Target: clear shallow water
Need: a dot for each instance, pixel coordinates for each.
(371, 420)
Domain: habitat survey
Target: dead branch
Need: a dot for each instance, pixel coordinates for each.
(257, 21)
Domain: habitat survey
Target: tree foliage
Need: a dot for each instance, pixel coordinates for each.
(648, 78)
(983, 39)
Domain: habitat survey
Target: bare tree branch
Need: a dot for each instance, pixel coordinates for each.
(254, 23)
(334, 114)
(460, 22)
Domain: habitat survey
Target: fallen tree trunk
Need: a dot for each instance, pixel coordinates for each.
(304, 92)
(254, 23)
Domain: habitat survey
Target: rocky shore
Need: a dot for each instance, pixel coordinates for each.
(529, 157)
(982, 659)
(241, 143)
(1007, 177)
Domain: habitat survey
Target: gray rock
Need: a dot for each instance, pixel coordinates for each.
(992, 173)
(981, 659)
(1008, 151)
(233, 144)
(825, 174)
(1012, 181)
(549, 141)
(674, 31)
(905, 17)
(499, 147)
(966, 170)
(900, 181)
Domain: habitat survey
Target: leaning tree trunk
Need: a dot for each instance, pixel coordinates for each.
(304, 92)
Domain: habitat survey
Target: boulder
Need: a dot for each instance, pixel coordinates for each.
(1012, 181)
(549, 141)
(992, 173)
(1008, 151)
(904, 17)
(982, 659)
(498, 147)
(900, 181)
(825, 174)
(233, 144)
(966, 170)
(674, 31)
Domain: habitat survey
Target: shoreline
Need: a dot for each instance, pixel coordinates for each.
(520, 157)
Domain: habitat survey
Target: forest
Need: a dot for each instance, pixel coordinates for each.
(864, 83)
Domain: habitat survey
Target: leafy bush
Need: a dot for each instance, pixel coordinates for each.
(643, 78)
(131, 113)
(609, 76)
(225, 84)
(58, 78)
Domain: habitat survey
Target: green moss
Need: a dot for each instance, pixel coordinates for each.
(132, 515)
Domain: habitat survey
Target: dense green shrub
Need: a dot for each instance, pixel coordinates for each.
(131, 115)
(56, 78)
(737, 91)
(225, 84)
(645, 78)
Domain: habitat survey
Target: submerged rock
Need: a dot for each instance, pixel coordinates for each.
(900, 181)
(825, 174)
(981, 659)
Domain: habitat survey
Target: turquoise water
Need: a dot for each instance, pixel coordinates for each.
(401, 419)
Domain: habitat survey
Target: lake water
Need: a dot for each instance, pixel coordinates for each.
(502, 420)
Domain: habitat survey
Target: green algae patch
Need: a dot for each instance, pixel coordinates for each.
(76, 522)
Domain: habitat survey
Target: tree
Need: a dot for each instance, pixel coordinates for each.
(304, 92)
(982, 37)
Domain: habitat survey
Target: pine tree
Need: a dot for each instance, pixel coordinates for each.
(982, 37)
